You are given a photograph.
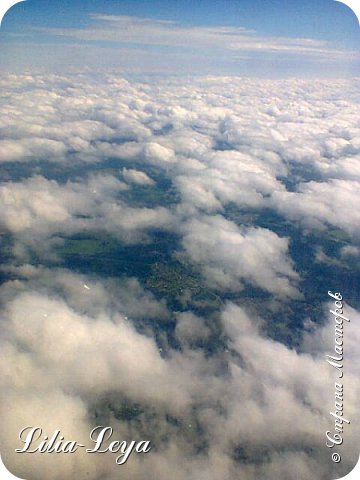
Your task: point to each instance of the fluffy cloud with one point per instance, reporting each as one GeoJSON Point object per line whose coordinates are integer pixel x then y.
{"type": "Point", "coordinates": [48, 356]}
{"type": "Point", "coordinates": [229, 254]}
{"type": "Point", "coordinates": [39, 208]}
{"type": "Point", "coordinates": [190, 328]}
{"type": "Point", "coordinates": [317, 204]}
{"type": "Point", "coordinates": [230, 177]}
{"type": "Point", "coordinates": [234, 405]}
{"type": "Point", "coordinates": [135, 176]}
{"type": "Point", "coordinates": [91, 296]}
{"type": "Point", "coordinates": [64, 119]}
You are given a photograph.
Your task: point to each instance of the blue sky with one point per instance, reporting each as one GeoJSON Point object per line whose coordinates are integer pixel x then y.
{"type": "Point", "coordinates": [245, 37]}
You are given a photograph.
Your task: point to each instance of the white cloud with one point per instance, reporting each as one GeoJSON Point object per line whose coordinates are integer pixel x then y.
{"type": "Point", "coordinates": [40, 208]}
{"type": "Point", "coordinates": [135, 176]}
{"type": "Point", "coordinates": [145, 31]}
{"type": "Point", "coordinates": [229, 255]}
{"type": "Point", "coordinates": [190, 328]}
{"type": "Point", "coordinates": [350, 250]}
{"type": "Point", "coordinates": [230, 176]}
{"type": "Point", "coordinates": [316, 204]}
{"type": "Point", "coordinates": [240, 401]}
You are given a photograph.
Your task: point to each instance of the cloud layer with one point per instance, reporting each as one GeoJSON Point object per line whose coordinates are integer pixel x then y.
{"type": "Point", "coordinates": [224, 417]}
{"type": "Point", "coordinates": [231, 198]}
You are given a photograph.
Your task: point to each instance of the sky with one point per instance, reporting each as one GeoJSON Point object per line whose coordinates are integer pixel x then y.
{"type": "Point", "coordinates": [250, 38]}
